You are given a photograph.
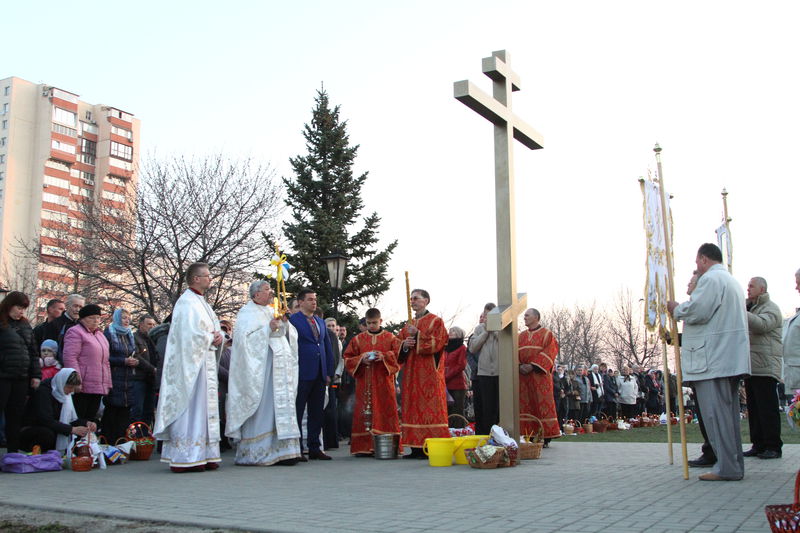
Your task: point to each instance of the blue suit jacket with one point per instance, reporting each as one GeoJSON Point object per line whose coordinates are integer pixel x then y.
{"type": "Point", "coordinates": [314, 356]}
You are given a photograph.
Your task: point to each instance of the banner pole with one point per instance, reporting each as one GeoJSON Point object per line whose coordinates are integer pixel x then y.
{"type": "Point", "coordinates": [671, 296]}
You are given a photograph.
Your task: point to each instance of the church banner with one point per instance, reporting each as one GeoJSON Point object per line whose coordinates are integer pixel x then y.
{"type": "Point", "coordinates": [724, 241]}
{"type": "Point", "coordinates": [656, 282]}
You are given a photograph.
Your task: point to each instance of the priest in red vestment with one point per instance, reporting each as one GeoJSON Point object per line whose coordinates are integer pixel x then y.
{"type": "Point", "coordinates": [371, 357]}
{"type": "Point", "coordinates": [424, 396]}
{"type": "Point", "coordinates": [538, 349]}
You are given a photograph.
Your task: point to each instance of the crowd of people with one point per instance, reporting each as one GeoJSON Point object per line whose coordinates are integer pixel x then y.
{"type": "Point", "coordinates": [283, 386]}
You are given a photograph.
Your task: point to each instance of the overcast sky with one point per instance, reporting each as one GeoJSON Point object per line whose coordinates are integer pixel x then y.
{"type": "Point", "coordinates": [715, 83]}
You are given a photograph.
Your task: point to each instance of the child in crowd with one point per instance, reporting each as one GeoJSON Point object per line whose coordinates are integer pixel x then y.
{"type": "Point", "coordinates": [48, 359]}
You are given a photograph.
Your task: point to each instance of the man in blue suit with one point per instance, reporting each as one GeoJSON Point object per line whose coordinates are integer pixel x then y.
{"type": "Point", "coordinates": [315, 361]}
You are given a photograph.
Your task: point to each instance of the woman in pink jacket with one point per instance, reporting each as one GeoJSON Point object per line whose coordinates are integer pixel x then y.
{"type": "Point", "coordinates": [86, 350]}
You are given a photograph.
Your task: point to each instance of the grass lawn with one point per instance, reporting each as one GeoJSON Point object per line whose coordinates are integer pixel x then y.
{"type": "Point", "coordinates": [659, 434]}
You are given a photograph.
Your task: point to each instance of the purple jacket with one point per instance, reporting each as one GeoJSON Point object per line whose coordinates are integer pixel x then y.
{"type": "Point", "coordinates": [88, 354]}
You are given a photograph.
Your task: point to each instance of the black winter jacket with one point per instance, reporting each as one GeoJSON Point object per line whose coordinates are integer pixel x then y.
{"type": "Point", "coordinates": [19, 358]}
{"type": "Point", "coordinates": [44, 410]}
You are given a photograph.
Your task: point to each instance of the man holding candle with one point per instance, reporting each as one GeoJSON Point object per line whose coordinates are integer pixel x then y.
{"type": "Point", "coordinates": [424, 399]}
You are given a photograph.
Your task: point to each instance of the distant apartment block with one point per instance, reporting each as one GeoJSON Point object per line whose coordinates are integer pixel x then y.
{"type": "Point", "coordinates": [56, 154]}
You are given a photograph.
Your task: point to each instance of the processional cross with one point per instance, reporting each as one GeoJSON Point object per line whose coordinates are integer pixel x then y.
{"type": "Point", "coordinates": [507, 126]}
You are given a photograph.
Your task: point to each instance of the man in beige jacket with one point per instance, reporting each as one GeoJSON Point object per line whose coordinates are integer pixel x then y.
{"type": "Point", "coordinates": [765, 323]}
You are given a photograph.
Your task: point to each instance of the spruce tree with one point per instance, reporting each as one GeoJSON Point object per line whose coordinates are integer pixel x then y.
{"type": "Point", "coordinates": [324, 197]}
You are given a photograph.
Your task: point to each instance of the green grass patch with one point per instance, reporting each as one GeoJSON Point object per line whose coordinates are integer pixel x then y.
{"type": "Point", "coordinates": [659, 434]}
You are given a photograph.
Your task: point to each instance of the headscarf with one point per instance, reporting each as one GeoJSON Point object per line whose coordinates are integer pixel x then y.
{"type": "Point", "coordinates": [119, 329]}
{"type": "Point", "coordinates": [68, 414]}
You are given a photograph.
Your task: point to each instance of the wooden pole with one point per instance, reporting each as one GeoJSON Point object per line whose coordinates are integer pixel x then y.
{"type": "Point", "coordinates": [666, 401]}
{"type": "Point", "coordinates": [408, 298]}
{"type": "Point", "coordinates": [671, 296]}
{"type": "Point", "coordinates": [729, 244]}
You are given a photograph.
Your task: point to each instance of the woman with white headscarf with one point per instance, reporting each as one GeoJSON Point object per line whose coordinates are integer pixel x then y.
{"type": "Point", "coordinates": [51, 416]}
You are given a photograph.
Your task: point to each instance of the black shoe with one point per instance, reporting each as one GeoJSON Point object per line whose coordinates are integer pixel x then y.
{"type": "Point", "coordinates": [319, 455]}
{"type": "Point", "coordinates": [752, 452]}
{"type": "Point", "coordinates": [702, 462]}
{"type": "Point", "coordinates": [769, 454]}
{"type": "Point", "coordinates": [288, 462]}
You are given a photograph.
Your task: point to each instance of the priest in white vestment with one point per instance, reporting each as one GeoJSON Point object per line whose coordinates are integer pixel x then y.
{"type": "Point", "coordinates": [262, 384]}
{"type": "Point", "coordinates": [187, 417]}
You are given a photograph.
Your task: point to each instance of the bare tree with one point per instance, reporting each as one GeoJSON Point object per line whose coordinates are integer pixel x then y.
{"type": "Point", "coordinates": [626, 339]}
{"type": "Point", "coordinates": [135, 246]}
{"type": "Point", "coordinates": [579, 332]}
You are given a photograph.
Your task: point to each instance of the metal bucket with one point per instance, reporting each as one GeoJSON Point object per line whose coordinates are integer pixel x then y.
{"type": "Point", "coordinates": [386, 445]}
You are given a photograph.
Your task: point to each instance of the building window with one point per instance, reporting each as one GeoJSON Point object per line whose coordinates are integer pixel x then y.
{"type": "Point", "coordinates": [116, 197]}
{"type": "Point", "coordinates": [7, 90]}
{"type": "Point", "coordinates": [56, 182]}
{"type": "Point", "coordinates": [63, 116]}
{"type": "Point", "coordinates": [55, 199]}
{"type": "Point", "coordinates": [80, 191]}
{"type": "Point", "coordinates": [123, 132]}
{"type": "Point", "coordinates": [5, 108]}
{"type": "Point", "coordinates": [3, 141]}
{"type": "Point", "coordinates": [122, 151]}
{"type": "Point", "coordinates": [2, 175]}
{"type": "Point", "coordinates": [87, 177]}
{"type": "Point", "coordinates": [54, 216]}
{"type": "Point", "coordinates": [88, 159]}
{"type": "Point", "coordinates": [5, 124]}
{"type": "Point", "coordinates": [88, 128]}
{"type": "Point", "coordinates": [70, 132]}
{"type": "Point", "coordinates": [64, 147]}
{"type": "Point", "coordinates": [88, 147]}
{"type": "Point", "coordinates": [58, 165]}
{"type": "Point", "coordinates": [2, 158]}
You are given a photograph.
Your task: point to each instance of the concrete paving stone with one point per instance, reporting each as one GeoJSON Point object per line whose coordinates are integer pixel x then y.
{"type": "Point", "coordinates": [520, 498]}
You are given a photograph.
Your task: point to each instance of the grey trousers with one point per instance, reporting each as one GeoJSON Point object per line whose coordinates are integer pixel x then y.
{"type": "Point", "coordinates": [719, 403]}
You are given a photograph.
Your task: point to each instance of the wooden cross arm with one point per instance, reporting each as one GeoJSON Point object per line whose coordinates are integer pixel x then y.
{"type": "Point", "coordinates": [470, 95]}
{"type": "Point", "coordinates": [502, 315]}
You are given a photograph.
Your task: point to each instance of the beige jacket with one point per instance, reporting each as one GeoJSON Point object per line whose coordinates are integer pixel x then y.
{"type": "Point", "coordinates": [487, 346]}
{"type": "Point", "coordinates": [765, 323]}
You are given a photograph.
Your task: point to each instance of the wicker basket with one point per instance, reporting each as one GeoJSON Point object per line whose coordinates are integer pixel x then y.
{"type": "Point", "coordinates": [81, 463]}
{"type": "Point", "coordinates": [458, 417]}
{"type": "Point", "coordinates": [587, 427]}
{"type": "Point", "coordinates": [601, 425]}
{"type": "Point", "coordinates": [569, 426]}
{"type": "Point", "coordinates": [140, 434]}
{"type": "Point", "coordinates": [785, 518]}
{"type": "Point", "coordinates": [495, 461]}
{"type": "Point", "coordinates": [533, 448]}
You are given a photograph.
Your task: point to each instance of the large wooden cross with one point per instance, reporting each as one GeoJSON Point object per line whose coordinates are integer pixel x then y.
{"type": "Point", "coordinates": [507, 126]}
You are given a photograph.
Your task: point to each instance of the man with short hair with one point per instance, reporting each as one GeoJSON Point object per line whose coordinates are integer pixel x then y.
{"type": "Point", "coordinates": [372, 358]}
{"type": "Point", "coordinates": [330, 415]}
{"type": "Point", "coordinates": [765, 322]}
{"type": "Point", "coordinates": [187, 418]}
{"type": "Point", "coordinates": [315, 356]}
{"type": "Point", "coordinates": [538, 349]}
{"type": "Point", "coordinates": [486, 395]}
{"type": "Point", "coordinates": [424, 396]}
{"type": "Point", "coordinates": [262, 384]}
{"type": "Point", "coordinates": [596, 387]}
{"type": "Point", "coordinates": [715, 355]}
{"type": "Point", "coordinates": [55, 308]}
{"type": "Point", "coordinates": [57, 328]}
{"type": "Point", "coordinates": [144, 380]}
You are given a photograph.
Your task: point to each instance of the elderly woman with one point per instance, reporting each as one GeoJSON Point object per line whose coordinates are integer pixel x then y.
{"type": "Point", "coordinates": [791, 348]}
{"type": "Point", "coordinates": [19, 363]}
{"type": "Point", "coordinates": [51, 417]}
{"type": "Point", "coordinates": [122, 350]}
{"type": "Point", "coordinates": [455, 361]}
{"type": "Point", "coordinates": [86, 350]}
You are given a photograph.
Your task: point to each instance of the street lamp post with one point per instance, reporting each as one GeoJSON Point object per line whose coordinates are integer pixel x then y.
{"type": "Point", "coordinates": [336, 263]}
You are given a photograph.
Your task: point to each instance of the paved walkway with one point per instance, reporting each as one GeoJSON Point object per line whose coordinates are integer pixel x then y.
{"type": "Point", "coordinates": [575, 487]}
